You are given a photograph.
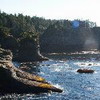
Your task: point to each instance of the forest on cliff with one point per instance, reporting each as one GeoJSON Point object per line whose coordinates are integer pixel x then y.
{"type": "Point", "coordinates": [46, 34]}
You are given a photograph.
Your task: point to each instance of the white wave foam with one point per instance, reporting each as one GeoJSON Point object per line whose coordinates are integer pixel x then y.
{"type": "Point", "coordinates": [58, 86]}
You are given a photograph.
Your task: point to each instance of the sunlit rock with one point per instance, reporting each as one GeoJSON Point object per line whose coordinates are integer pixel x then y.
{"type": "Point", "coordinates": [14, 80]}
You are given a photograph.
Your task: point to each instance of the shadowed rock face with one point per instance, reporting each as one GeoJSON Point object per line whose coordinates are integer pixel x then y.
{"type": "Point", "coordinates": [23, 51]}
{"type": "Point", "coordinates": [29, 51]}
{"type": "Point", "coordinates": [14, 80]}
{"type": "Point", "coordinates": [10, 42]}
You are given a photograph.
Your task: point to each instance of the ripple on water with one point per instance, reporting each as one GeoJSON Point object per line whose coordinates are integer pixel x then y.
{"type": "Point", "coordinates": [63, 74]}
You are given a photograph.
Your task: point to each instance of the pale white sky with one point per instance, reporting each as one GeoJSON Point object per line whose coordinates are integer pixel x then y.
{"type": "Point", "coordinates": [55, 9]}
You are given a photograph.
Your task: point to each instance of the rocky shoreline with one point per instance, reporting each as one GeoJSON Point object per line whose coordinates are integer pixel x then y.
{"type": "Point", "coordinates": [14, 80]}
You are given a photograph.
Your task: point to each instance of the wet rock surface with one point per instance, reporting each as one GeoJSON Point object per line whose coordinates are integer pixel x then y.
{"type": "Point", "coordinates": [85, 70]}
{"type": "Point", "coordinates": [14, 80]}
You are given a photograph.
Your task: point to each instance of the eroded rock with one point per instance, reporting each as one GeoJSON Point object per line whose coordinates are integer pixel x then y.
{"type": "Point", "coordinates": [14, 80]}
{"type": "Point", "coordinates": [29, 51]}
{"type": "Point", "coordinates": [85, 70]}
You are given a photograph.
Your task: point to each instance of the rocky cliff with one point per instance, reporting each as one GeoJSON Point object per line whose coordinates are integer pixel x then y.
{"type": "Point", "coordinates": [29, 50]}
{"type": "Point", "coordinates": [14, 80]}
{"type": "Point", "coordinates": [23, 50]}
{"type": "Point", "coordinates": [70, 40]}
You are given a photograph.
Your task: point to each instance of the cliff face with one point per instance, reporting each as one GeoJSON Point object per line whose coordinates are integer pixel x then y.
{"type": "Point", "coordinates": [69, 40]}
{"type": "Point", "coordinates": [29, 51]}
{"type": "Point", "coordinates": [23, 50]}
{"type": "Point", "coordinates": [14, 80]}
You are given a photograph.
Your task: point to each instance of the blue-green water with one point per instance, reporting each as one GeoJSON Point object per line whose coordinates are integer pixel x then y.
{"type": "Point", "coordinates": [61, 71]}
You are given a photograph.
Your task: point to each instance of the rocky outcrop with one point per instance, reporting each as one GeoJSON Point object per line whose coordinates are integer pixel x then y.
{"type": "Point", "coordinates": [14, 80]}
{"type": "Point", "coordinates": [85, 70]}
{"type": "Point", "coordinates": [23, 50]}
{"type": "Point", "coordinates": [29, 51]}
{"type": "Point", "coordinates": [9, 42]}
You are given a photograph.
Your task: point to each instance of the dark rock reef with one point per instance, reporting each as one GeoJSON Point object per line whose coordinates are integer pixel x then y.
{"type": "Point", "coordinates": [14, 80]}
{"type": "Point", "coordinates": [85, 70]}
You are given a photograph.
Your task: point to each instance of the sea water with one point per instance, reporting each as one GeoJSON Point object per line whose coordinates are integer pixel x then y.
{"type": "Point", "coordinates": [61, 71]}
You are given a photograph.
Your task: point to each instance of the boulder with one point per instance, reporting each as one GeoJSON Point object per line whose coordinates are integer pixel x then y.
{"type": "Point", "coordinates": [85, 70]}
{"type": "Point", "coordinates": [14, 80]}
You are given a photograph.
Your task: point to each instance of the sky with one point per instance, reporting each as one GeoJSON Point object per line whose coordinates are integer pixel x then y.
{"type": "Point", "coordinates": [55, 9]}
